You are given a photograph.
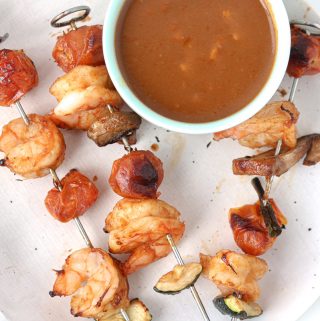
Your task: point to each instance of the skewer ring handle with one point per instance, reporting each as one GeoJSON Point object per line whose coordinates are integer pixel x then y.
{"type": "Point", "coordinates": [55, 21]}
{"type": "Point", "coordinates": [313, 28]}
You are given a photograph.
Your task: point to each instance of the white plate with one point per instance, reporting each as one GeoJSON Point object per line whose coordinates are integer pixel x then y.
{"type": "Point", "coordinates": [198, 181]}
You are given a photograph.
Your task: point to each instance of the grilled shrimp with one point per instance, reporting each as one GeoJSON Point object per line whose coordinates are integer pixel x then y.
{"type": "Point", "coordinates": [81, 120]}
{"type": "Point", "coordinates": [127, 210]}
{"type": "Point", "coordinates": [86, 99]}
{"type": "Point", "coordinates": [141, 231]}
{"type": "Point", "coordinates": [80, 77]}
{"type": "Point", "coordinates": [275, 121]}
{"type": "Point", "coordinates": [147, 253]}
{"type": "Point", "coordinates": [139, 227]}
{"type": "Point", "coordinates": [95, 282]}
{"type": "Point", "coordinates": [32, 150]}
{"type": "Point", "coordinates": [83, 95]}
{"type": "Point", "coordinates": [235, 273]}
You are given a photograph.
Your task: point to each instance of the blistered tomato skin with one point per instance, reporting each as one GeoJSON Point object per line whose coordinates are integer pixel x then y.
{"type": "Point", "coordinates": [18, 76]}
{"type": "Point", "coordinates": [137, 175]}
{"type": "Point", "coordinates": [77, 196]}
{"type": "Point", "coordinates": [79, 47]}
{"type": "Point", "coordinates": [249, 230]}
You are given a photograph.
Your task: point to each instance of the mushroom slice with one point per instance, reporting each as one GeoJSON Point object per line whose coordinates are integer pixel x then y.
{"type": "Point", "coordinates": [313, 155]}
{"type": "Point", "coordinates": [267, 164]}
{"type": "Point", "coordinates": [110, 129]}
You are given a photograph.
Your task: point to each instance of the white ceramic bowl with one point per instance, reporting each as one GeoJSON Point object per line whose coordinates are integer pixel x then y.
{"type": "Point", "coordinates": [281, 61]}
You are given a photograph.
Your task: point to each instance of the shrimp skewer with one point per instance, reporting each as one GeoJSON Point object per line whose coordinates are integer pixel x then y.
{"type": "Point", "coordinates": [32, 147]}
{"type": "Point", "coordinates": [279, 145]}
{"type": "Point", "coordinates": [236, 276]}
{"type": "Point", "coordinates": [29, 123]}
{"type": "Point", "coordinates": [139, 227]}
{"type": "Point", "coordinates": [291, 99]}
{"type": "Point", "coordinates": [34, 135]}
{"type": "Point", "coordinates": [77, 302]}
{"type": "Point", "coordinates": [152, 249]}
{"type": "Point", "coordinates": [83, 95]}
{"type": "Point", "coordinates": [105, 290]}
{"type": "Point", "coordinates": [193, 289]}
{"type": "Point", "coordinates": [88, 56]}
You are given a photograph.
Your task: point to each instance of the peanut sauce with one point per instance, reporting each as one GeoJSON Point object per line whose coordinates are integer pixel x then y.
{"type": "Point", "coordinates": [196, 60]}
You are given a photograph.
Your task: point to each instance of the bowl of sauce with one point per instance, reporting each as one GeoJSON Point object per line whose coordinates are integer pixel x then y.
{"type": "Point", "coordinates": [196, 66]}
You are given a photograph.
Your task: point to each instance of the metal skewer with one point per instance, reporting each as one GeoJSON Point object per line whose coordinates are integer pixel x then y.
{"type": "Point", "coordinates": [311, 28]}
{"type": "Point", "coordinates": [306, 26]}
{"type": "Point", "coordinates": [192, 288]}
{"type": "Point", "coordinates": [22, 113]}
{"type": "Point", "coordinates": [58, 185]}
{"type": "Point", "coordinates": [124, 314]}
{"type": "Point", "coordinates": [72, 22]}
{"type": "Point", "coordinates": [279, 145]}
{"type": "Point", "coordinates": [174, 248]}
{"type": "Point", "coordinates": [56, 180]}
{"type": "Point", "coordinates": [170, 239]}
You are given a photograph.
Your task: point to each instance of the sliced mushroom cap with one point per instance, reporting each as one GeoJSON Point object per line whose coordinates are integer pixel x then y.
{"type": "Point", "coordinates": [110, 129]}
{"type": "Point", "coordinates": [266, 164]}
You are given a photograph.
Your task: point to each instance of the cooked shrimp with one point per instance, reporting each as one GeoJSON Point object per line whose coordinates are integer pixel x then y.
{"type": "Point", "coordinates": [128, 210]}
{"type": "Point", "coordinates": [147, 253]}
{"type": "Point", "coordinates": [80, 108]}
{"type": "Point", "coordinates": [77, 195]}
{"type": "Point", "coordinates": [141, 231]}
{"type": "Point", "coordinates": [235, 273]}
{"type": "Point", "coordinates": [95, 282]}
{"type": "Point", "coordinates": [86, 99]}
{"type": "Point", "coordinates": [81, 120]}
{"type": "Point", "coordinates": [32, 150]}
{"type": "Point", "coordinates": [139, 227]}
{"type": "Point", "coordinates": [81, 77]}
{"type": "Point", "coordinates": [83, 95]}
{"type": "Point", "coordinates": [275, 121]}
